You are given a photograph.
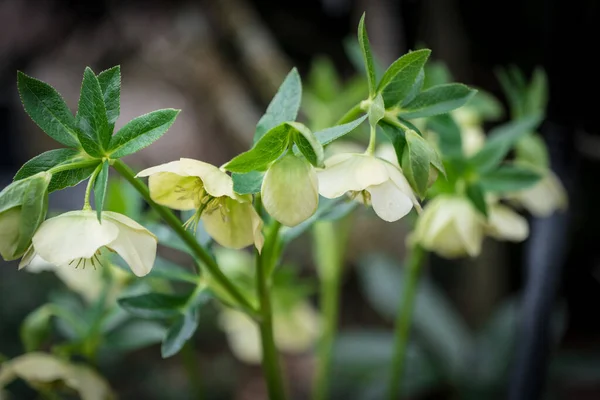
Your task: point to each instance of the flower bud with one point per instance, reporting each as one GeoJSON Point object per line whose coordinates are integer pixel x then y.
{"type": "Point", "coordinates": [23, 206]}
{"type": "Point", "coordinates": [290, 192]}
{"type": "Point", "coordinates": [451, 227]}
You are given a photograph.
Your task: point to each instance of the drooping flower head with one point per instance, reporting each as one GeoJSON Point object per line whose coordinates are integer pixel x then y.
{"type": "Point", "coordinates": [76, 239]}
{"type": "Point", "coordinates": [188, 184]}
{"type": "Point", "coordinates": [370, 180]}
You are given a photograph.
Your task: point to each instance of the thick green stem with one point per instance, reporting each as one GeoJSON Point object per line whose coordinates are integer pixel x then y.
{"type": "Point", "coordinates": [192, 368]}
{"type": "Point", "coordinates": [329, 265]}
{"type": "Point", "coordinates": [404, 319]}
{"type": "Point", "coordinates": [190, 240]}
{"type": "Point", "coordinates": [90, 186]}
{"type": "Point", "coordinates": [372, 141]}
{"type": "Point", "coordinates": [270, 360]}
{"type": "Point", "coordinates": [351, 115]}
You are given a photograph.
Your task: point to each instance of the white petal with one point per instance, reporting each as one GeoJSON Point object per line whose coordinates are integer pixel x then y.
{"type": "Point", "coordinates": [399, 179]}
{"type": "Point", "coordinates": [135, 244]}
{"type": "Point", "coordinates": [216, 182]}
{"type": "Point", "coordinates": [242, 334]}
{"type": "Point", "coordinates": [73, 235]}
{"type": "Point", "coordinates": [437, 214]}
{"type": "Point", "coordinates": [544, 198]}
{"type": "Point", "coordinates": [387, 152]}
{"type": "Point", "coordinates": [469, 225]}
{"type": "Point", "coordinates": [350, 172]}
{"type": "Point", "coordinates": [235, 225]}
{"type": "Point", "coordinates": [174, 167]}
{"type": "Point", "coordinates": [389, 202]}
{"type": "Point", "coordinates": [289, 190]}
{"type": "Point", "coordinates": [506, 224]}
{"type": "Point", "coordinates": [175, 191]}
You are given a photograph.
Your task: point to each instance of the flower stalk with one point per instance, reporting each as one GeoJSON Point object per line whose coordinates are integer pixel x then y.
{"type": "Point", "coordinates": [404, 319]}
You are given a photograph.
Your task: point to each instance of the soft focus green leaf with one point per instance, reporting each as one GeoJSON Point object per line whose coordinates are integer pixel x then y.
{"type": "Point", "coordinates": [510, 178]}
{"type": "Point", "coordinates": [94, 131]}
{"type": "Point", "coordinates": [135, 335]}
{"type": "Point", "coordinates": [284, 106]}
{"type": "Point", "coordinates": [365, 47]}
{"type": "Point", "coordinates": [141, 132]}
{"type": "Point", "coordinates": [100, 189]}
{"type": "Point", "coordinates": [487, 107]}
{"type": "Point", "coordinates": [501, 140]}
{"type": "Point", "coordinates": [33, 210]}
{"type": "Point", "coordinates": [399, 79]}
{"type": "Point", "coordinates": [48, 110]}
{"type": "Point", "coordinates": [166, 269]}
{"type": "Point", "coordinates": [416, 161]}
{"type": "Point", "coordinates": [448, 135]}
{"type": "Point", "coordinates": [437, 100]}
{"type": "Point", "coordinates": [265, 151]}
{"type": "Point", "coordinates": [122, 198]}
{"type": "Point", "coordinates": [396, 135]}
{"type": "Point", "coordinates": [437, 325]}
{"type": "Point", "coordinates": [328, 135]}
{"type": "Point", "coordinates": [110, 84]}
{"type": "Point", "coordinates": [180, 332]}
{"type": "Point", "coordinates": [436, 73]}
{"type": "Point", "coordinates": [476, 195]}
{"type": "Point", "coordinates": [323, 79]}
{"type": "Point", "coordinates": [36, 328]}
{"type": "Point", "coordinates": [532, 149]}
{"type": "Point", "coordinates": [154, 305]}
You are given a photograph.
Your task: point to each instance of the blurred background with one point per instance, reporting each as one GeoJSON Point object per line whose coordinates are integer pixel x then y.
{"type": "Point", "coordinates": [523, 316]}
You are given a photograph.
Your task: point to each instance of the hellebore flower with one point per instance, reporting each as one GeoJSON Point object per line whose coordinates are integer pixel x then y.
{"type": "Point", "coordinates": [370, 180]}
{"type": "Point", "coordinates": [290, 191]}
{"type": "Point", "coordinates": [76, 238]}
{"type": "Point", "coordinates": [189, 184]}
{"type": "Point", "coordinates": [451, 227]}
{"type": "Point", "coordinates": [505, 224]}
{"type": "Point", "coordinates": [544, 198]}
{"type": "Point", "coordinates": [23, 206]}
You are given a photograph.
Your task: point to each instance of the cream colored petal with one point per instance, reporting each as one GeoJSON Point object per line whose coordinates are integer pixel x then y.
{"type": "Point", "coordinates": [257, 225]}
{"type": "Point", "coordinates": [216, 182]}
{"type": "Point", "coordinates": [233, 224]}
{"type": "Point", "coordinates": [33, 263]}
{"type": "Point", "coordinates": [175, 191]}
{"type": "Point", "coordinates": [242, 335]}
{"type": "Point", "coordinates": [469, 225]}
{"type": "Point", "coordinates": [447, 243]}
{"type": "Point", "coordinates": [506, 224]}
{"type": "Point", "coordinates": [9, 232]}
{"type": "Point", "coordinates": [399, 179]}
{"type": "Point", "coordinates": [436, 216]}
{"type": "Point", "coordinates": [387, 152]}
{"type": "Point", "coordinates": [290, 191]}
{"type": "Point", "coordinates": [389, 202]}
{"type": "Point", "coordinates": [296, 330]}
{"type": "Point", "coordinates": [544, 198]}
{"type": "Point", "coordinates": [352, 172]}
{"type": "Point", "coordinates": [134, 243]}
{"type": "Point", "coordinates": [173, 167]}
{"type": "Point", "coordinates": [473, 139]}
{"type": "Point", "coordinates": [73, 235]}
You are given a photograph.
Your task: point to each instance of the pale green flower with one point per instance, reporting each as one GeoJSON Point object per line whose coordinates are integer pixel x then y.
{"type": "Point", "coordinates": [451, 227]}
{"type": "Point", "coordinates": [505, 224]}
{"type": "Point", "coordinates": [370, 180]}
{"type": "Point", "coordinates": [544, 198]}
{"type": "Point", "coordinates": [76, 239]}
{"type": "Point", "coordinates": [44, 370]}
{"type": "Point", "coordinates": [290, 191]}
{"type": "Point", "coordinates": [188, 184]}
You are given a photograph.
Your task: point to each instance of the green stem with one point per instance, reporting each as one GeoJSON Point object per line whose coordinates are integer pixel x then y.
{"type": "Point", "coordinates": [404, 319]}
{"type": "Point", "coordinates": [372, 141]}
{"type": "Point", "coordinates": [192, 368]}
{"type": "Point", "coordinates": [351, 115]}
{"type": "Point", "coordinates": [88, 189]}
{"type": "Point", "coordinates": [190, 240]}
{"type": "Point", "coordinates": [270, 360]}
{"type": "Point", "coordinates": [329, 265]}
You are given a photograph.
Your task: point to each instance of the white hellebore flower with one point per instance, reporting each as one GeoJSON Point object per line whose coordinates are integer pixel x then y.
{"type": "Point", "coordinates": [505, 224]}
{"type": "Point", "coordinates": [370, 180]}
{"type": "Point", "coordinates": [544, 198]}
{"type": "Point", "coordinates": [229, 218]}
{"type": "Point", "coordinates": [76, 238]}
{"type": "Point", "coordinates": [290, 192]}
{"type": "Point", "coordinates": [451, 227]}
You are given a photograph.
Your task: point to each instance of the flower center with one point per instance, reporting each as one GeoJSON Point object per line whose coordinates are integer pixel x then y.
{"type": "Point", "coordinates": [208, 204]}
{"type": "Point", "coordinates": [84, 262]}
{"type": "Point", "coordinates": [362, 196]}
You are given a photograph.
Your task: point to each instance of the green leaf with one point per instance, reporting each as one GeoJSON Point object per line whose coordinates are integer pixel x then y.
{"type": "Point", "coordinates": [154, 305]}
{"type": "Point", "coordinates": [122, 198]}
{"type": "Point", "coordinates": [537, 93]}
{"type": "Point", "coordinates": [33, 210]}
{"type": "Point", "coordinates": [396, 135]}
{"type": "Point", "coordinates": [166, 269]}
{"type": "Point", "coordinates": [436, 73]}
{"type": "Point", "coordinates": [487, 107]}
{"type": "Point", "coordinates": [73, 177]}
{"type": "Point", "coordinates": [476, 195]}
{"type": "Point", "coordinates": [135, 335]}
{"type": "Point", "coordinates": [307, 143]}
{"type": "Point", "coordinates": [141, 132]}
{"type": "Point", "coordinates": [94, 133]}
{"type": "Point", "coordinates": [416, 161]}
{"type": "Point", "coordinates": [284, 106]}
{"type": "Point", "coordinates": [500, 140]}
{"type": "Point", "coordinates": [510, 178]}
{"type": "Point", "coordinates": [416, 88]}
{"type": "Point", "coordinates": [532, 149]}
{"type": "Point", "coordinates": [265, 151]}
{"type": "Point", "coordinates": [328, 135]}
{"type": "Point", "coordinates": [363, 41]}
{"type": "Point", "coordinates": [100, 189]}
{"type": "Point", "coordinates": [36, 328]}
{"type": "Point", "coordinates": [437, 100]}
{"type": "Point", "coordinates": [448, 135]}
{"type": "Point", "coordinates": [399, 79]}
{"type": "Point", "coordinates": [248, 183]}
{"type": "Point", "coordinates": [110, 84]}
{"type": "Point", "coordinates": [180, 332]}
{"type": "Point", "coordinates": [376, 110]}
{"type": "Point", "coordinates": [48, 110]}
